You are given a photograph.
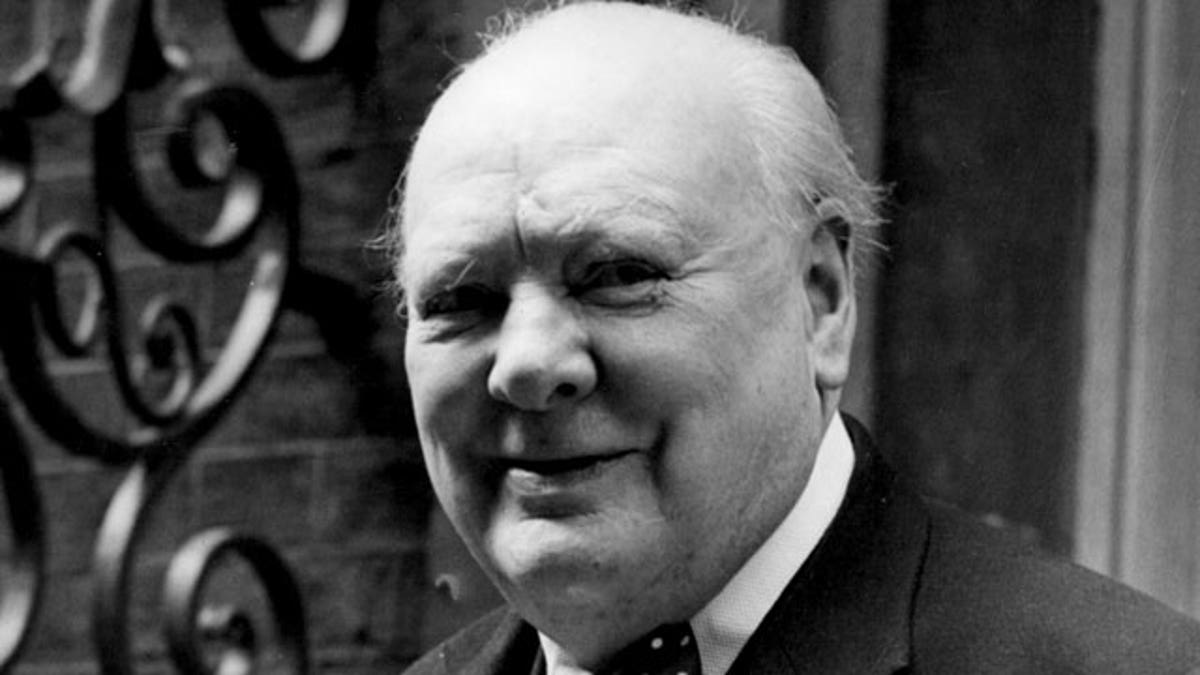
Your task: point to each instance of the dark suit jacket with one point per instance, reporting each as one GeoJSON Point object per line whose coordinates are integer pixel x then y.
{"type": "Point", "coordinates": [900, 586]}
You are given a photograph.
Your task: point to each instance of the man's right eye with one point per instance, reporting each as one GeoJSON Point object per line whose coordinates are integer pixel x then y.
{"type": "Point", "coordinates": [459, 300]}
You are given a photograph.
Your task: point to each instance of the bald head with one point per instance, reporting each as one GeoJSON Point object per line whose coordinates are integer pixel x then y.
{"type": "Point", "coordinates": [585, 77]}
{"type": "Point", "coordinates": [591, 69]}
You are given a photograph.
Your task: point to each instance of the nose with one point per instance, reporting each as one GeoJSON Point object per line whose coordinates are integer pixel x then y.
{"type": "Point", "coordinates": [542, 355]}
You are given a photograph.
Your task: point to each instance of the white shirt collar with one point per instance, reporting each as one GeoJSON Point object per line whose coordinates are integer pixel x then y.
{"type": "Point", "coordinates": [726, 623]}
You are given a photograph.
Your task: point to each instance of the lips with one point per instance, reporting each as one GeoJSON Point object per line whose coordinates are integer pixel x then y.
{"type": "Point", "coordinates": [553, 467]}
{"type": "Point", "coordinates": [542, 475]}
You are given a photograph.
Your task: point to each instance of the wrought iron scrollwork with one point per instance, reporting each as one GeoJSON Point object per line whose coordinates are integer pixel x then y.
{"type": "Point", "coordinates": [187, 627]}
{"type": "Point", "coordinates": [333, 28]}
{"type": "Point", "coordinates": [172, 391]}
{"type": "Point", "coordinates": [23, 583]}
{"type": "Point", "coordinates": [16, 162]}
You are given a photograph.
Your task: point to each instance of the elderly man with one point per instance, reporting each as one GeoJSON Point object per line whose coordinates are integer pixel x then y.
{"type": "Point", "coordinates": [625, 244]}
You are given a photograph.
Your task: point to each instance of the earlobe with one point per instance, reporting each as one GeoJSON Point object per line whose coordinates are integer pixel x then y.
{"type": "Point", "coordinates": [830, 292]}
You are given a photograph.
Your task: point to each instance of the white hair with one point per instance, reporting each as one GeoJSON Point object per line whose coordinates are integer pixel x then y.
{"type": "Point", "coordinates": [806, 172]}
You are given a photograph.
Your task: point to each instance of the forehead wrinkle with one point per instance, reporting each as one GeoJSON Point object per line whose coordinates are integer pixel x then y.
{"type": "Point", "coordinates": [636, 189]}
{"type": "Point", "coordinates": [605, 218]}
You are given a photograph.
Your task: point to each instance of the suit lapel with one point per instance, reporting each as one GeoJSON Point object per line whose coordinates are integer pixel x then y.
{"type": "Point", "coordinates": [848, 609]}
{"type": "Point", "coordinates": [500, 644]}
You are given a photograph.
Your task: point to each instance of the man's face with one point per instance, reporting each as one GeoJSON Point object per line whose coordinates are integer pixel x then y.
{"type": "Point", "coordinates": [607, 347]}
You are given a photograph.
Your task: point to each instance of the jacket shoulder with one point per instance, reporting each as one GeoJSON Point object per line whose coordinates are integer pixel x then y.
{"type": "Point", "coordinates": [988, 603]}
{"type": "Point", "coordinates": [498, 642]}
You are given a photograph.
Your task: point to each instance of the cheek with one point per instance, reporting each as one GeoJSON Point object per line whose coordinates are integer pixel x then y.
{"type": "Point", "coordinates": [450, 407]}
{"type": "Point", "coordinates": [728, 384]}
{"type": "Point", "coordinates": [693, 359]}
{"type": "Point", "coordinates": [439, 377]}
{"type": "Point", "coordinates": [448, 389]}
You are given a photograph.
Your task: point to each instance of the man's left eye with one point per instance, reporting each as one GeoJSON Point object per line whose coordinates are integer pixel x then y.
{"type": "Point", "coordinates": [620, 283]}
{"type": "Point", "coordinates": [620, 273]}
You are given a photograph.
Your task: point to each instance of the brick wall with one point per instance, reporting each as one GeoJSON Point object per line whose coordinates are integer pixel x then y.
{"type": "Point", "coordinates": [317, 456]}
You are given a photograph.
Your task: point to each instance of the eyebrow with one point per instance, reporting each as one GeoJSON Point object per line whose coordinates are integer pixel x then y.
{"type": "Point", "coordinates": [446, 273]}
{"type": "Point", "coordinates": [615, 230]}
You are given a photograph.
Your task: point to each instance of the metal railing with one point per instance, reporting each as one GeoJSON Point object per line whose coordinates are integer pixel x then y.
{"type": "Point", "coordinates": [173, 389]}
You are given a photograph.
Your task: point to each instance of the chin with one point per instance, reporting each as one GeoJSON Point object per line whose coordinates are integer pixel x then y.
{"type": "Point", "coordinates": [560, 569]}
{"type": "Point", "coordinates": [545, 551]}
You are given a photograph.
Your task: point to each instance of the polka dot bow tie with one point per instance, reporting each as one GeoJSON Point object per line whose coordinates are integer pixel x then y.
{"type": "Point", "coordinates": [668, 650]}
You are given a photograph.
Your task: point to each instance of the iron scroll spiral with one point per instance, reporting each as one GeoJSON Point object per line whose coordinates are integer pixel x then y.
{"type": "Point", "coordinates": [194, 403]}
{"type": "Point", "coordinates": [331, 32]}
{"type": "Point", "coordinates": [187, 625]}
{"type": "Point", "coordinates": [258, 219]}
{"type": "Point", "coordinates": [260, 206]}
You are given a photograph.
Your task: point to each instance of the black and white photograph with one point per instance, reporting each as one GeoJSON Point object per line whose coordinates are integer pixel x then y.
{"type": "Point", "coordinates": [599, 337]}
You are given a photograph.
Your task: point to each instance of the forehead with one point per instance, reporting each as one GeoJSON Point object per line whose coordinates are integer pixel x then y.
{"type": "Point", "coordinates": [501, 181]}
{"type": "Point", "coordinates": [670, 129]}
{"type": "Point", "coordinates": [607, 138]}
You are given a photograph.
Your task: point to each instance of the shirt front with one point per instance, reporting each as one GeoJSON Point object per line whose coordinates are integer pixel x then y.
{"type": "Point", "coordinates": [726, 623]}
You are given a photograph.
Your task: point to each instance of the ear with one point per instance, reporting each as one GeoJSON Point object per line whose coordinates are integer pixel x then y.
{"type": "Point", "coordinates": [830, 289]}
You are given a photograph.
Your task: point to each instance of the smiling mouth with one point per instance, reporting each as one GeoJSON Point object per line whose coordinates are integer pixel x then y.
{"type": "Point", "coordinates": [562, 467]}
{"type": "Point", "coordinates": [542, 478]}
{"type": "Point", "coordinates": [561, 489]}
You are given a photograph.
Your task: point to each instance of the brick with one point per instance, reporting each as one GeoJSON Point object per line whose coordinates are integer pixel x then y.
{"type": "Point", "coordinates": [351, 259]}
{"type": "Point", "coordinates": [370, 602]}
{"type": "Point", "coordinates": [146, 642]}
{"type": "Point", "coordinates": [61, 194]}
{"type": "Point", "coordinates": [319, 114]}
{"type": "Point", "coordinates": [384, 402]}
{"type": "Point", "coordinates": [270, 496]}
{"type": "Point", "coordinates": [294, 329]}
{"type": "Point", "coordinates": [15, 35]}
{"type": "Point", "coordinates": [28, 667]}
{"type": "Point", "coordinates": [74, 501]}
{"type": "Point", "coordinates": [302, 396]}
{"type": "Point", "coordinates": [371, 494]}
{"type": "Point", "coordinates": [62, 631]}
{"type": "Point", "coordinates": [87, 388]}
{"type": "Point", "coordinates": [63, 148]}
